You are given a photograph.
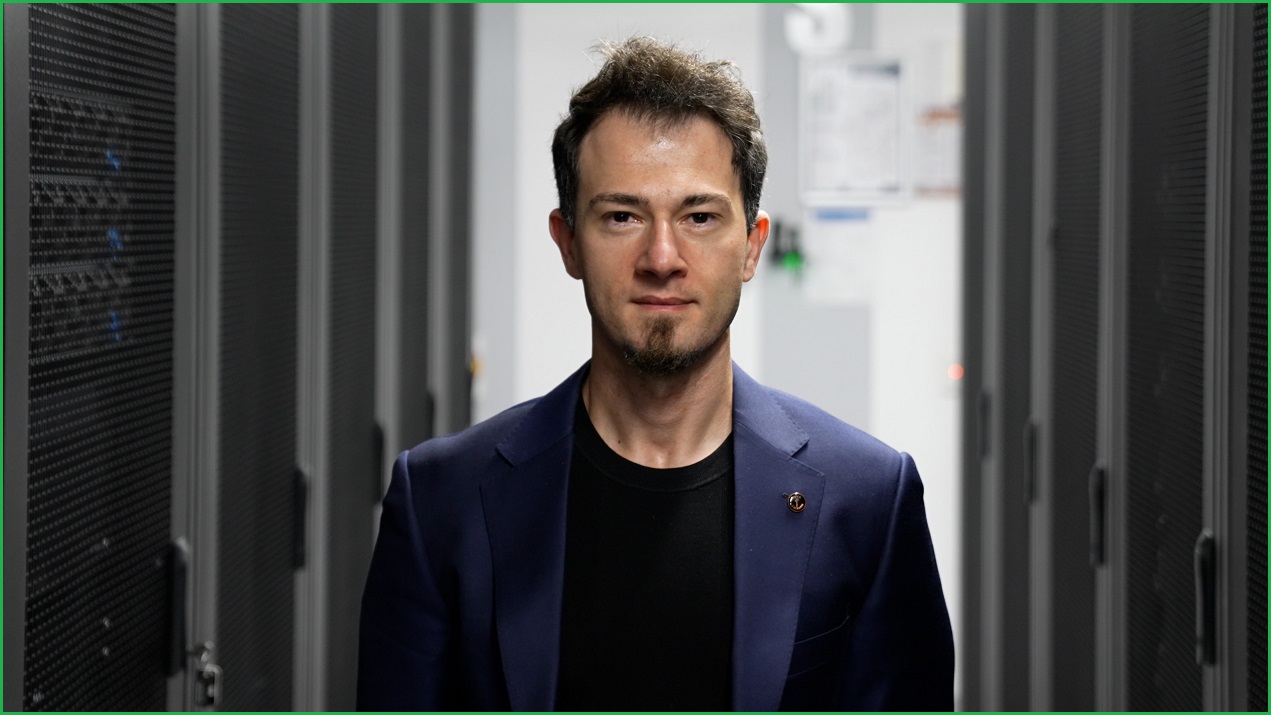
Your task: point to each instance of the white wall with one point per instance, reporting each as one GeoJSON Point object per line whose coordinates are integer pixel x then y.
{"type": "Point", "coordinates": [915, 336]}
{"type": "Point", "coordinates": [917, 300]}
{"type": "Point", "coordinates": [494, 214]}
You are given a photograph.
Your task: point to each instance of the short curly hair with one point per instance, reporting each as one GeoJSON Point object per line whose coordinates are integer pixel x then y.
{"type": "Point", "coordinates": [654, 81]}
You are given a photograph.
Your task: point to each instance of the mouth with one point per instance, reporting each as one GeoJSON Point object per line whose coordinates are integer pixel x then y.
{"type": "Point", "coordinates": [662, 303]}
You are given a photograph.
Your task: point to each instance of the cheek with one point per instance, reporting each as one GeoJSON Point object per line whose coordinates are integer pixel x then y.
{"type": "Point", "coordinates": [601, 282]}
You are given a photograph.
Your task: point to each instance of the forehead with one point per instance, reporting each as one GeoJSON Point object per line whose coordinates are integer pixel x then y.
{"type": "Point", "coordinates": [622, 147]}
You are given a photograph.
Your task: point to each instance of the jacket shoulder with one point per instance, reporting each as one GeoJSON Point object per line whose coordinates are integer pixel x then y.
{"type": "Point", "coordinates": [836, 447]}
{"type": "Point", "coordinates": [820, 424]}
{"type": "Point", "coordinates": [472, 447]}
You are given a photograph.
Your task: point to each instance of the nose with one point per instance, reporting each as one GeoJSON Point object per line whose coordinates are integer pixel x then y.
{"type": "Point", "coordinates": [661, 256]}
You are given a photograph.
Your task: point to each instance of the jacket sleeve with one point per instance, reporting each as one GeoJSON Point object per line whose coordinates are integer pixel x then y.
{"type": "Point", "coordinates": [900, 648]}
{"type": "Point", "coordinates": [406, 634]}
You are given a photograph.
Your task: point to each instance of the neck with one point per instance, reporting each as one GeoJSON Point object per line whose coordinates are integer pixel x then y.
{"type": "Point", "coordinates": [661, 421]}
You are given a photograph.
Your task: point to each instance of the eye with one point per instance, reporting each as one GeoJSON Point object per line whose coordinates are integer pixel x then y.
{"type": "Point", "coordinates": [620, 217]}
{"type": "Point", "coordinates": [700, 218]}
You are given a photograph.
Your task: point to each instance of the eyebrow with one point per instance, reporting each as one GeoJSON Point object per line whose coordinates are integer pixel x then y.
{"type": "Point", "coordinates": [703, 199]}
{"type": "Point", "coordinates": [633, 200]}
{"type": "Point", "coordinates": [617, 198]}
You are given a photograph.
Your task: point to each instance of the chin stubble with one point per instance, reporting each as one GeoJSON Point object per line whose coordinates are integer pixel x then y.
{"type": "Point", "coordinates": [659, 356]}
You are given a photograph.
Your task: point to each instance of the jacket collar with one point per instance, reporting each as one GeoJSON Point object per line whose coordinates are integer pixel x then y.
{"type": "Point", "coordinates": [552, 418]}
{"type": "Point", "coordinates": [525, 519]}
{"type": "Point", "coordinates": [547, 422]}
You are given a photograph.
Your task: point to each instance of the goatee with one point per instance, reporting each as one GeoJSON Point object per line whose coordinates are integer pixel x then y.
{"type": "Point", "coordinates": [658, 356]}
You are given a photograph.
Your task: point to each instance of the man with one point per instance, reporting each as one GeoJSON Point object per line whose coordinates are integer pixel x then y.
{"type": "Point", "coordinates": [659, 532]}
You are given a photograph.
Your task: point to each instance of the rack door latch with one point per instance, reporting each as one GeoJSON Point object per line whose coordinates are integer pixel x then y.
{"type": "Point", "coordinates": [207, 675]}
{"type": "Point", "coordinates": [1204, 561]}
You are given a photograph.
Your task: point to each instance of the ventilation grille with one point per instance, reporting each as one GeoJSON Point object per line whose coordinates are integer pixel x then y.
{"type": "Point", "coordinates": [101, 301]}
{"type": "Point", "coordinates": [257, 445]}
{"type": "Point", "coordinates": [351, 442]}
{"type": "Point", "coordinates": [1257, 541]}
{"type": "Point", "coordinates": [1016, 336]}
{"type": "Point", "coordinates": [1075, 355]}
{"type": "Point", "coordinates": [1170, 46]}
{"type": "Point", "coordinates": [415, 421]}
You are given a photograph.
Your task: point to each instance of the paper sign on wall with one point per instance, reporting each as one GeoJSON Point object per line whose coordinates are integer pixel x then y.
{"type": "Point", "coordinates": [853, 131]}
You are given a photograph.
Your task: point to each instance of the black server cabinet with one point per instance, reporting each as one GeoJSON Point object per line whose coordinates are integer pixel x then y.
{"type": "Point", "coordinates": [1149, 342]}
{"type": "Point", "coordinates": [256, 366]}
{"type": "Point", "coordinates": [170, 172]}
{"type": "Point", "coordinates": [1009, 445]}
{"type": "Point", "coordinates": [1256, 494]}
{"type": "Point", "coordinates": [1000, 225]}
{"type": "Point", "coordinates": [351, 443]}
{"type": "Point", "coordinates": [415, 408]}
{"type": "Point", "coordinates": [1074, 305]}
{"type": "Point", "coordinates": [1166, 351]}
{"type": "Point", "coordinates": [99, 354]}
{"type": "Point", "coordinates": [1150, 220]}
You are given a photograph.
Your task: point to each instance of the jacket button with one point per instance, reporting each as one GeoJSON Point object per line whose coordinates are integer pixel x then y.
{"type": "Point", "coordinates": [796, 502]}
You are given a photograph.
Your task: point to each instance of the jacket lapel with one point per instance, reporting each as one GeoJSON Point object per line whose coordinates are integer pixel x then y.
{"type": "Point", "coordinates": [771, 543]}
{"type": "Point", "coordinates": [525, 507]}
{"type": "Point", "coordinates": [525, 519]}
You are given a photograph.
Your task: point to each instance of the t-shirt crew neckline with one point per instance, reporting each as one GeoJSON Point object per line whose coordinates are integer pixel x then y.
{"type": "Point", "coordinates": [637, 476]}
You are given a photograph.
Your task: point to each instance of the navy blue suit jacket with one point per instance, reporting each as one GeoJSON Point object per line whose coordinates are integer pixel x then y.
{"type": "Point", "coordinates": [836, 607]}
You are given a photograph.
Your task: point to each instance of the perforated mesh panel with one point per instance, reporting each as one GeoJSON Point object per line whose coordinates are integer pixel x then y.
{"type": "Point", "coordinates": [1075, 355]}
{"type": "Point", "coordinates": [1017, 258]}
{"type": "Point", "coordinates": [259, 214]}
{"type": "Point", "coordinates": [101, 300]}
{"type": "Point", "coordinates": [1257, 541]}
{"type": "Point", "coordinates": [461, 19]}
{"type": "Point", "coordinates": [352, 457]}
{"type": "Point", "coordinates": [1169, 65]}
{"type": "Point", "coordinates": [415, 423]}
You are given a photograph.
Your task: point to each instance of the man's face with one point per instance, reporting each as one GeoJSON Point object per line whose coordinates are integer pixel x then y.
{"type": "Point", "coordinates": [660, 240]}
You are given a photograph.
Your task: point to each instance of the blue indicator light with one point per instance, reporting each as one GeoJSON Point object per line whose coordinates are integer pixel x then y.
{"type": "Point", "coordinates": [113, 161]}
{"type": "Point", "coordinates": [115, 325]}
{"type": "Point", "coordinates": [116, 242]}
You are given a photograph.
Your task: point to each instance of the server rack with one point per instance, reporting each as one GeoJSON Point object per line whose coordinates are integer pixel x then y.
{"type": "Point", "coordinates": [17, 195]}
{"type": "Point", "coordinates": [1255, 370]}
{"type": "Point", "coordinates": [92, 321]}
{"type": "Point", "coordinates": [1003, 403]}
{"type": "Point", "coordinates": [1148, 359]}
{"type": "Point", "coordinates": [192, 231]}
{"type": "Point", "coordinates": [258, 216]}
{"type": "Point", "coordinates": [1065, 321]}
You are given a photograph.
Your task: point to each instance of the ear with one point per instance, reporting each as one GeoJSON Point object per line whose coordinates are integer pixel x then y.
{"type": "Point", "coordinates": [563, 234]}
{"type": "Point", "coordinates": [755, 240]}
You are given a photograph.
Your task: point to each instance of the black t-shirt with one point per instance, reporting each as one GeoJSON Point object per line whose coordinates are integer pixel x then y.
{"type": "Point", "coordinates": [647, 622]}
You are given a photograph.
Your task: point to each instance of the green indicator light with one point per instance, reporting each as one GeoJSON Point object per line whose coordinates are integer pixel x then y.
{"type": "Point", "coordinates": [792, 261]}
